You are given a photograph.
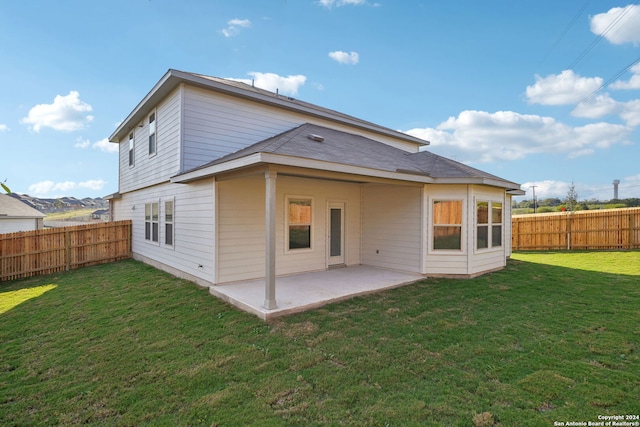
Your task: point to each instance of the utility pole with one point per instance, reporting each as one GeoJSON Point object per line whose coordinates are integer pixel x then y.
{"type": "Point", "coordinates": [534, 198]}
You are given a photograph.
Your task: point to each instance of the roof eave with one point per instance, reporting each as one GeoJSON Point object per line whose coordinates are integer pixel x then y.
{"type": "Point", "coordinates": [173, 78]}
{"type": "Point", "coordinates": [161, 89]}
{"type": "Point", "coordinates": [511, 187]}
{"type": "Point", "coordinates": [277, 159]}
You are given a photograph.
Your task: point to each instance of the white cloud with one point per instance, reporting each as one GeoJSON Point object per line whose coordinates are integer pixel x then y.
{"type": "Point", "coordinates": [546, 189]}
{"type": "Point", "coordinates": [597, 106]}
{"type": "Point", "coordinates": [331, 3]}
{"type": "Point", "coordinates": [102, 145]}
{"type": "Point", "coordinates": [603, 105]}
{"type": "Point", "coordinates": [82, 143]}
{"type": "Point", "coordinates": [273, 82]}
{"type": "Point", "coordinates": [562, 89]}
{"type": "Point", "coordinates": [601, 191]}
{"type": "Point", "coordinates": [234, 27]}
{"type": "Point", "coordinates": [632, 83]}
{"type": "Point", "coordinates": [66, 113]}
{"type": "Point", "coordinates": [3, 128]}
{"type": "Point", "coordinates": [631, 112]}
{"type": "Point", "coordinates": [345, 57]}
{"type": "Point", "coordinates": [57, 189]}
{"type": "Point", "coordinates": [619, 25]}
{"type": "Point", "coordinates": [106, 146]}
{"type": "Point", "coordinates": [478, 136]}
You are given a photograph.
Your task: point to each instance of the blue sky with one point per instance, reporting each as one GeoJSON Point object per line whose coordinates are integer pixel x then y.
{"type": "Point", "coordinates": [542, 93]}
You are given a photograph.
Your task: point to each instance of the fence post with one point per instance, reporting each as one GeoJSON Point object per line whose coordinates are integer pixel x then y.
{"type": "Point", "coordinates": [568, 231]}
{"type": "Point", "coordinates": [632, 244]}
{"type": "Point", "coordinates": [67, 244]}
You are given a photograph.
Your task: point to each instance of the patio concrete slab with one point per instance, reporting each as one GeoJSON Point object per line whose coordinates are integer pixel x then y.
{"type": "Point", "coordinates": [302, 292]}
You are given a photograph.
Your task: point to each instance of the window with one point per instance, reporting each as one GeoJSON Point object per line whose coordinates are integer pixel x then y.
{"type": "Point", "coordinates": [489, 225]}
{"type": "Point", "coordinates": [299, 223]}
{"type": "Point", "coordinates": [131, 149]}
{"type": "Point", "coordinates": [447, 225]}
{"type": "Point", "coordinates": [482, 233]}
{"type": "Point", "coordinates": [496, 224]}
{"type": "Point", "coordinates": [168, 223]}
{"type": "Point", "coordinates": [152, 134]}
{"type": "Point", "coordinates": [151, 221]}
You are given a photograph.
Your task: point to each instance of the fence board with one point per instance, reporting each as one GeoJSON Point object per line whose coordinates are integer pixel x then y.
{"type": "Point", "coordinates": [31, 253]}
{"type": "Point", "coordinates": [583, 230]}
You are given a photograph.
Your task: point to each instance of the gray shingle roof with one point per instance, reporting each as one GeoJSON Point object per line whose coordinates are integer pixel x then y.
{"type": "Point", "coordinates": [14, 208]}
{"type": "Point", "coordinates": [355, 150]}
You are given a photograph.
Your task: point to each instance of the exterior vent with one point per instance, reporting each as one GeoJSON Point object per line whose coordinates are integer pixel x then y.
{"type": "Point", "coordinates": [314, 137]}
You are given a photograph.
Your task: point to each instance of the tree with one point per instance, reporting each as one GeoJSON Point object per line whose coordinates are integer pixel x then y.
{"type": "Point", "coordinates": [572, 198]}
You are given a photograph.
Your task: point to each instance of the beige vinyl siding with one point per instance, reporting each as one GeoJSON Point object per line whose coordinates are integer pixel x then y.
{"type": "Point", "coordinates": [491, 258]}
{"type": "Point", "coordinates": [447, 262]}
{"type": "Point", "coordinates": [216, 124]}
{"type": "Point", "coordinates": [508, 230]}
{"type": "Point", "coordinates": [150, 170]}
{"type": "Point", "coordinates": [468, 261]}
{"type": "Point", "coordinates": [241, 228]}
{"type": "Point", "coordinates": [391, 227]}
{"type": "Point", "coordinates": [13, 225]}
{"type": "Point", "coordinates": [321, 192]}
{"type": "Point", "coordinates": [193, 248]}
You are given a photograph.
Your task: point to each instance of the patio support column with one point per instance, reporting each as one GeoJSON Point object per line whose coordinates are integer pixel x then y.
{"type": "Point", "coordinates": [270, 240]}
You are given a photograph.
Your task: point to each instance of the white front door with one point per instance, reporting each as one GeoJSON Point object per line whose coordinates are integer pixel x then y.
{"type": "Point", "coordinates": [335, 227]}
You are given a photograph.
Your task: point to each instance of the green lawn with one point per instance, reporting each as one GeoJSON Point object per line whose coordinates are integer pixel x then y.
{"type": "Point", "coordinates": [555, 337]}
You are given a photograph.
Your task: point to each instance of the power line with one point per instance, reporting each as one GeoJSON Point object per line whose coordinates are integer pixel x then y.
{"type": "Point", "coordinates": [566, 30]}
{"type": "Point", "coordinates": [611, 80]}
{"type": "Point", "coordinates": [599, 37]}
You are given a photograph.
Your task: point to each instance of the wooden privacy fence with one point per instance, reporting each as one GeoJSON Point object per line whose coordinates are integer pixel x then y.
{"type": "Point", "coordinates": [32, 253]}
{"type": "Point", "coordinates": [601, 229]}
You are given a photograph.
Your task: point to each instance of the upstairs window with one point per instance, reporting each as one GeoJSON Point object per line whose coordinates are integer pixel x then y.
{"type": "Point", "coordinates": [151, 216]}
{"type": "Point", "coordinates": [447, 225]}
{"type": "Point", "coordinates": [168, 223]}
{"type": "Point", "coordinates": [152, 134]}
{"type": "Point", "coordinates": [298, 223]}
{"type": "Point", "coordinates": [131, 149]}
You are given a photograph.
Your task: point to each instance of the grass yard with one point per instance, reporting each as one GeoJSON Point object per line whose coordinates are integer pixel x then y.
{"type": "Point", "coordinates": [555, 337]}
{"type": "Point", "coordinates": [71, 214]}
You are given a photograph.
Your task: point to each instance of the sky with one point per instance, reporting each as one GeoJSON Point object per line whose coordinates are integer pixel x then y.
{"type": "Point", "coordinates": [542, 93]}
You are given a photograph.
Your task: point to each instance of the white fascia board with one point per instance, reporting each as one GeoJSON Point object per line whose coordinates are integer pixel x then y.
{"type": "Point", "coordinates": [212, 170]}
{"type": "Point", "coordinates": [275, 159]}
{"type": "Point", "coordinates": [510, 186]}
{"type": "Point", "coordinates": [159, 90]}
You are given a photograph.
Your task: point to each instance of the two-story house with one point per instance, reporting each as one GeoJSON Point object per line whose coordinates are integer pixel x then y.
{"type": "Point", "coordinates": [226, 182]}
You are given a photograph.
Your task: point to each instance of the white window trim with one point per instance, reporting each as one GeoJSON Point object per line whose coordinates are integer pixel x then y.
{"type": "Point", "coordinates": [432, 225]}
{"type": "Point", "coordinates": [131, 153]}
{"type": "Point", "coordinates": [489, 225]}
{"type": "Point", "coordinates": [286, 225]}
{"type": "Point", "coordinates": [151, 222]}
{"type": "Point", "coordinates": [173, 223]}
{"type": "Point", "coordinates": [154, 113]}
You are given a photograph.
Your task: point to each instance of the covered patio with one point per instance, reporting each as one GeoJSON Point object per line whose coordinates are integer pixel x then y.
{"type": "Point", "coordinates": [300, 292]}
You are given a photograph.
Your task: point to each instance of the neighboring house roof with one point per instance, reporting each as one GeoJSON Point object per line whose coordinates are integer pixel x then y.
{"type": "Point", "coordinates": [173, 78]}
{"type": "Point", "coordinates": [14, 208]}
{"type": "Point", "coordinates": [319, 147]}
